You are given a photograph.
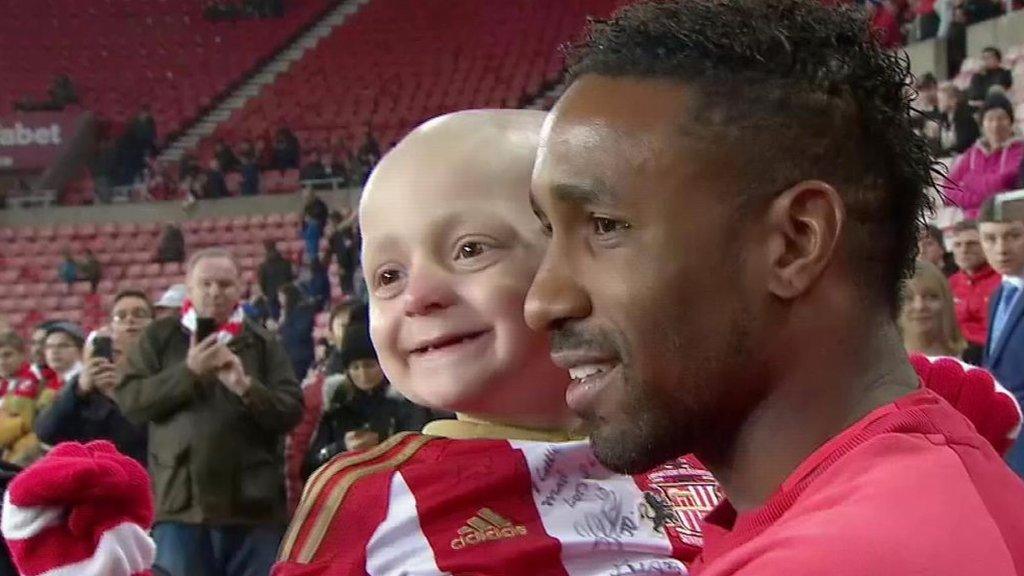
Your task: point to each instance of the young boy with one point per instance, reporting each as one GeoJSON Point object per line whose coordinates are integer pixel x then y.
{"type": "Point", "coordinates": [450, 248]}
{"type": "Point", "coordinates": [19, 390]}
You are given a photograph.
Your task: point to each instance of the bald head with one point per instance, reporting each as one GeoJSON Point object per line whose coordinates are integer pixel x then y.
{"type": "Point", "coordinates": [472, 158]}
{"type": "Point", "coordinates": [470, 151]}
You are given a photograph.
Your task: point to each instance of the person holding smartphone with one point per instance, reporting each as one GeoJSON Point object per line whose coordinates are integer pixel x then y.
{"type": "Point", "coordinates": [84, 409]}
{"type": "Point", "coordinates": [218, 395]}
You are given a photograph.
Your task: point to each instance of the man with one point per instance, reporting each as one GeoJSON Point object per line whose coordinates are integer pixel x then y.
{"type": "Point", "coordinates": [992, 74]}
{"type": "Point", "coordinates": [931, 247]}
{"type": "Point", "coordinates": [972, 286]}
{"type": "Point", "coordinates": [217, 412]}
{"type": "Point", "coordinates": [84, 409]}
{"type": "Point", "coordinates": [732, 191]}
{"type": "Point", "coordinates": [1002, 239]}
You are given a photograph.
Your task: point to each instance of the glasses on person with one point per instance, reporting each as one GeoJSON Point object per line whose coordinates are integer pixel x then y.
{"type": "Point", "coordinates": [133, 313]}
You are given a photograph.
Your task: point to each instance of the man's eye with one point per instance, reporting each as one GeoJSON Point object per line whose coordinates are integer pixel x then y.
{"type": "Point", "coordinates": [468, 250]}
{"type": "Point", "coordinates": [603, 225]}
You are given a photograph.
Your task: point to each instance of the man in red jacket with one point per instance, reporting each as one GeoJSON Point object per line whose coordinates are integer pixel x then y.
{"type": "Point", "coordinates": [972, 286]}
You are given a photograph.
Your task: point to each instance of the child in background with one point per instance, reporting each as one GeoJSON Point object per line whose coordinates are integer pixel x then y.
{"type": "Point", "coordinates": [19, 389]}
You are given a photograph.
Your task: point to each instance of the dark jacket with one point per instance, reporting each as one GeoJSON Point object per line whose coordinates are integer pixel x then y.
{"type": "Point", "coordinates": [74, 418]}
{"type": "Point", "coordinates": [964, 127]}
{"type": "Point", "coordinates": [296, 332]}
{"type": "Point", "coordinates": [172, 246]}
{"type": "Point", "coordinates": [274, 272]}
{"type": "Point", "coordinates": [214, 458]}
{"type": "Point", "coordinates": [982, 81]}
{"type": "Point", "coordinates": [381, 410]}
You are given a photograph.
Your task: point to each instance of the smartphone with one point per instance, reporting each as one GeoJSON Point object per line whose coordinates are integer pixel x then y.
{"type": "Point", "coordinates": [205, 327]}
{"type": "Point", "coordinates": [103, 347]}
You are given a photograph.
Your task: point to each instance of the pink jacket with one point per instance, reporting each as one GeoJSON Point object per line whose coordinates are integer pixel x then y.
{"type": "Point", "coordinates": [979, 174]}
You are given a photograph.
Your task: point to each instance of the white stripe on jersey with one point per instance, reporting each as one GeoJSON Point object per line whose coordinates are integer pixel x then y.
{"type": "Point", "coordinates": [393, 557]}
{"type": "Point", "coordinates": [594, 513]}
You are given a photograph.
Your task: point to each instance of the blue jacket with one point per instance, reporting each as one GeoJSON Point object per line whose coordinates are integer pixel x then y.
{"type": "Point", "coordinates": [1005, 359]}
{"type": "Point", "coordinates": [296, 333]}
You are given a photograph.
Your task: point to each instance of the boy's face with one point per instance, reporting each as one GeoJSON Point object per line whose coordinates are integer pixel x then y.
{"type": "Point", "coordinates": [61, 352]}
{"type": "Point", "coordinates": [10, 360]}
{"type": "Point", "coordinates": [449, 252]}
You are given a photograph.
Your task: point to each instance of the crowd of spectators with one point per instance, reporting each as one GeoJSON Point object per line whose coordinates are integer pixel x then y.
{"type": "Point", "coordinates": [976, 129]}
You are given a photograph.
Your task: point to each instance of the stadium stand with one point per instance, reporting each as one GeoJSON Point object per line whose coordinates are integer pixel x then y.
{"type": "Point", "coordinates": [121, 54]}
{"type": "Point", "coordinates": [397, 63]}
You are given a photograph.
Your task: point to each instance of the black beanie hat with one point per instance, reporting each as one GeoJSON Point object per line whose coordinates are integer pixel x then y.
{"type": "Point", "coordinates": [997, 102]}
{"type": "Point", "coordinates": [356, 344]}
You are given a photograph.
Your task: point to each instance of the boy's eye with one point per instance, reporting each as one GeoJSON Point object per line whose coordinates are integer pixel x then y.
{"type": "Point", "coordinates": [387, 277]}
{"type": "Point", "coordinates": [603, 225]}
{"type": "Point", "coordinates": [470, 249]}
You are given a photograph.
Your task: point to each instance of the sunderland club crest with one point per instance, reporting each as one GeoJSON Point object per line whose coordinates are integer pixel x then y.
{"type": "Point", "coordinates": [678, 497]}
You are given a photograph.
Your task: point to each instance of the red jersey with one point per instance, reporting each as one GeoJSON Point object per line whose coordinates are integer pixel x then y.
{"type": "Point", "coordinates": [909, 489]}
{"type": "Point", "coordinates": [428, 505]}
{"type": "Point", "coordinates": [970, 296]}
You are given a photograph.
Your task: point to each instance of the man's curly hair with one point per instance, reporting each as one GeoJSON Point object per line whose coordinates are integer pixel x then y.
{"type": "Point", "coordinates": [802, 91]}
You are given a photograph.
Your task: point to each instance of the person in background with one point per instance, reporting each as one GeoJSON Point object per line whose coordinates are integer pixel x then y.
{"type": "Point", "coordinates": [295, 327]}
{"type": "Point", "coordinates": [927, 318]}
{"type": "Point", "coordinates": [363, 411]}
{"type": "Point", "coordinates": [317, 286]}
{"type": "Point", "coordinates": [314, 222]}
{"type": "Point", "coordinates": [19, 390]}
{"type": "Point", "coordinates": [972, 287]}
{"type": "Point", "coordinates": [256, 307]}
{"type": "Point", "coordinates": [172, 245]}
{"type": "Point", "coordinates": [90, 270]}
{"type": "Point", "coordinates": [217, 412]}
{"type": "Point", "coordinates": [225, 157]}
{"type": "Point", "coordinates": [64, 343]}
{"type": "Point", "coordinates": [343, 243]}
{"type": "Point", "coordinates": [250, 175]}
{"type": "Point", "coordinates": [216, 185]}
{"type": "Point", "coordinates": [37, 352]}
{"type": "Point", "coordinates": [170, 302]}
{"type": "Point", "coordinates": [274, 272]}
{"type": "Point", "coordinates": [1002, 239]}
{"type": "Point", "coordinates": [926, 103]}
{"type": "Point", "coordinates": [991, 74]}
{"type": "Point", "coordinates": [931, 247]}
{"type": "Point", "coordinates": [957, 129]}
{"type": "Point", "coordinates": [84, 410]}
{"type": "Point", "coordinates": [990, 166]}
{"type": "Point", "coordinates": [68, 269]}
{"type": "Point", "coordinates": [286, 151]}
{"type": "Point", "coordinates": [317, 389]}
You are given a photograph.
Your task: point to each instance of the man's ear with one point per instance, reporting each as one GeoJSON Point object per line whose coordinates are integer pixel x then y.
{"type": "Point", "coordinates": [804, 224]}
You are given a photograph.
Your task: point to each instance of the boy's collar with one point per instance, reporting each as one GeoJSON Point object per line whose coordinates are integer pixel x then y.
{"type": "Point", "coordinates": [466, 428]}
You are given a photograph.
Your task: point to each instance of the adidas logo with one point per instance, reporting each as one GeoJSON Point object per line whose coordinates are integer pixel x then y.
{"type": "Point", "coordinates": [484, 526]}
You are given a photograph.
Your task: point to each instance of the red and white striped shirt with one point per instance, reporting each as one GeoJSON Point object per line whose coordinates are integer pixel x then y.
{"type": "Point", "coordinates": [426, 505]}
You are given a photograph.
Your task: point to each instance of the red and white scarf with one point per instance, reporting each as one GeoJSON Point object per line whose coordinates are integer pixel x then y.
{"type": "Point", "coordinates": [228, 330]}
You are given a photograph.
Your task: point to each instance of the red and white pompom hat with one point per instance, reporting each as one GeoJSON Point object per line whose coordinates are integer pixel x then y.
{"type": "Point", "coordinates": [976, 394]}
{"type": "Point", "coordinates": [83, 510]}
